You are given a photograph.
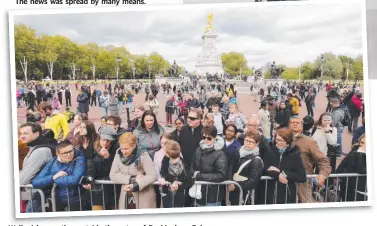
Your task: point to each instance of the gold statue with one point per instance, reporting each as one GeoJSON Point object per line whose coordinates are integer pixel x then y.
{"type": "Point", "coordinates": [209, 25]}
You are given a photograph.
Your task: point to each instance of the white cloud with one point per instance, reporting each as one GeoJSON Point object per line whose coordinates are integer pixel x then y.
{"type": "Point", "coordinates": [287, 34]}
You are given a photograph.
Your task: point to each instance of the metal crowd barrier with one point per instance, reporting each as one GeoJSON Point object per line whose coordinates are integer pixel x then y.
{"type": "Point", "coordinates": [29, 194]}
{"type": "Point", "coordinates": [129, 201]}
{"type": "Point", "coordinates": [335, 190]}
{"type": "Point", "coordinates": [106, 194]}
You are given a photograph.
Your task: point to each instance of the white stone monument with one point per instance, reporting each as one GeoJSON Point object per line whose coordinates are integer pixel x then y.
{"type": "Point", "coordinates": [210, 60]}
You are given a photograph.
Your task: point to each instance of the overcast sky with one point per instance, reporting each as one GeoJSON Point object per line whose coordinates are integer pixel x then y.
{"type": "Point", "coordinates": [289, 35]}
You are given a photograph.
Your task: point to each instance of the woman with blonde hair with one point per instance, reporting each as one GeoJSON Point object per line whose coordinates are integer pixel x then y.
{"type": "Point", "coordinates": [235, 116]}
{"type": "Point", "coordinates": [134, 168]}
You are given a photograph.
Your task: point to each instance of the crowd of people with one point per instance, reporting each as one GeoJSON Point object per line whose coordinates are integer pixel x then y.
{"type": "Point", "coordinates": [212, 142]}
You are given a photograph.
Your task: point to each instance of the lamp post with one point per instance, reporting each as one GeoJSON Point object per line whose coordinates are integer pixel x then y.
{"type": "Point", "coordinates": [149, 68]}
{"type": "Point", "coordinates": [118, 61]}
{"type": "Point", "coordinates": [299, 73]}
{"type": "Point", "coordinates": [24, 68]}
{"type": "Point", "coordinates": [322, 65]}
{"type": "Point", "coordinates": [348, 68]}
{"type": "Point", "coordinates": [132, 68]}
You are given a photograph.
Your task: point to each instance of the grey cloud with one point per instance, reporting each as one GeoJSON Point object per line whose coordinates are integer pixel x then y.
{"type": "Point", "coordinates": [176, 34]}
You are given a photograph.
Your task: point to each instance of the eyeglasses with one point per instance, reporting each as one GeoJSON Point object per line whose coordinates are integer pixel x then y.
{"type": "Point", "coordinates": [206, 138]}
{"type": "Point", "coordinates": [280, 141]}
{"type": "Point", "coordinates": [67, 153]}
{"type": "Point", "coordinates": [250, 141]}
{"type": "Point", "coordinates": [192, 118]}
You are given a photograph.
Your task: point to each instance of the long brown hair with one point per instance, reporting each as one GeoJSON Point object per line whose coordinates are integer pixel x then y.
{"type": "Point", "coordinates": [91, 135]}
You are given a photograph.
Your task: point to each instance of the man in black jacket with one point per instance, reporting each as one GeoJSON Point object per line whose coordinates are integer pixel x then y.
{"type": "Point", "coordinates": [191, 135]}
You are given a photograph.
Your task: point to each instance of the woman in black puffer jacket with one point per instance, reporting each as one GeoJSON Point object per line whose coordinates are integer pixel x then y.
{"type": "Point", "coordinates": [249, 166]}
{"type": "Point", "coordinates": [285, 166]}
{"type": "Point", "coordinates": [210, 164]}
{"type": "Point", "coordinates": [354, 162]}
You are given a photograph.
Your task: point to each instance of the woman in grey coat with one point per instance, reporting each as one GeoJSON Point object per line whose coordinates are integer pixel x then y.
{"type": "Point", "coordinates": [148, 135]}
{"type": "Point", "coordinates": [113, 105]}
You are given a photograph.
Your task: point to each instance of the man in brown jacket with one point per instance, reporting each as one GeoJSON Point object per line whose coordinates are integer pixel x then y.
{"type": "Point", "coordinates": [311, 157]}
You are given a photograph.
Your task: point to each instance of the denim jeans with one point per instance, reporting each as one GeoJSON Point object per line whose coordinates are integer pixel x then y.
{"type": "Point", "coordinates": [105, 110]}
{"type": "Point", "coordinates": [34, 205]}
{"type": "Point", "coordinates": [339, 140]}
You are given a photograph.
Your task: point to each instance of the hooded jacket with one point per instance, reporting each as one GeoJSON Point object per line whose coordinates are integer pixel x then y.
{"type": "Point", "coordinates": [211, 163]}
{"type": "Point", "coordinates": [75, 170]}
{"type": "Point", "coordinates": [35, 160]}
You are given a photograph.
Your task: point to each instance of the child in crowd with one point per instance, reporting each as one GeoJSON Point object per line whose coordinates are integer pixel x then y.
{"type": "Point", "coordinates": [218, 119]}
{"type": "Point", "coordinates": [175, 172]}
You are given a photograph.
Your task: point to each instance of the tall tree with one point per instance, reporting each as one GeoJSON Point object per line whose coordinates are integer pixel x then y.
{"type": "Point", "coordinates": [332, 66]}
{"type": "Point", "coordinates": [234, 63]}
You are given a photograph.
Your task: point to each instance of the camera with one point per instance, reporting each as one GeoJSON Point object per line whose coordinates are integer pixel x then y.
{"type": "Point", "coordinates": [86, 180]}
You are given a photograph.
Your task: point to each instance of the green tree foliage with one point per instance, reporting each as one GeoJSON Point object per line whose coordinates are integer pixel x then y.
{"type": "Point", "coordinates": [290, 73]}
{"type": "Point", "coordinates": [357, 68]}
{"type": "Point", "coordinates": [41, 51]}
{"type": "Point", "coordinates": [332, 67]}
{"type": "Point", "coordinates": [308, 71]}
{"type": "Point", "coordinates": [235, 64]}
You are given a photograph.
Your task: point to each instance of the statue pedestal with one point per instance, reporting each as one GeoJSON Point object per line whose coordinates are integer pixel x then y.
{"type": "Point", "coordinates": [279, 81]}
{"type": "Point", "coordinates": [210, 60]}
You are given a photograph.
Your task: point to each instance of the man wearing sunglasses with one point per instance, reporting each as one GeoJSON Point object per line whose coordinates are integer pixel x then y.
{"type": "Point", "coordinates": [191, 135]}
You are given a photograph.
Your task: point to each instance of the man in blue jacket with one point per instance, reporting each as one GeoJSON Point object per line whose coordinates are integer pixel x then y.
{"type": "Point", "coordinates": [65, 170]}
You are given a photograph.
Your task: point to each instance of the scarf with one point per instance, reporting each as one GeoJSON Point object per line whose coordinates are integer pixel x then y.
{"type": "Point", "coordinates": [245, 152]}
{"type": "Point", "coordinates": [203, 145]}
{"type": "Point", "coordinates": [176, 169]}
{"type": "Point", "coordinates": [133, 158]}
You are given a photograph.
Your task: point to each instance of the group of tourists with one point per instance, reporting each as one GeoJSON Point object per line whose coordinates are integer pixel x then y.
{"type": "Point", "coordinates": [212, 142]}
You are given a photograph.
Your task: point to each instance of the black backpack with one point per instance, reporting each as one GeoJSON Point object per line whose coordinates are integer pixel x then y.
{"type": "Point", "coordinates": [347, 117]}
